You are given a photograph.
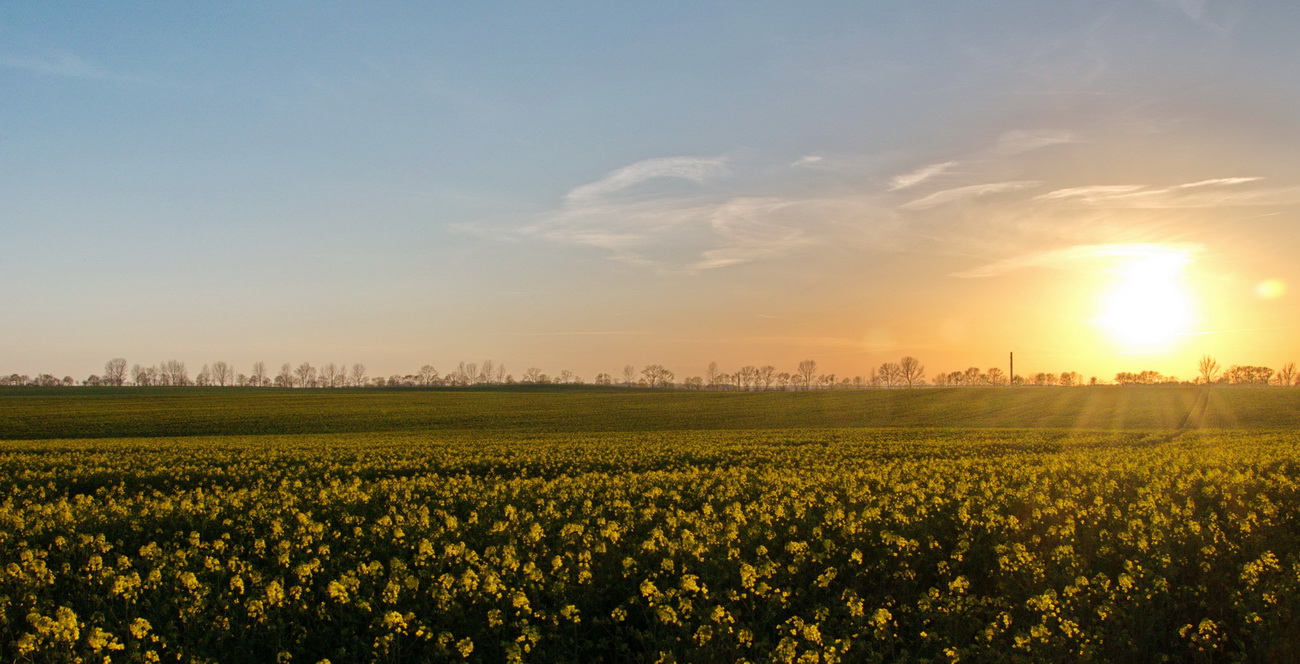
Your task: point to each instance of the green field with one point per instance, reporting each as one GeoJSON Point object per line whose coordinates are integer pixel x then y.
{"type": "Point", "coordinates": [1091, 525]}
{"type": "Point", "coordinates": [27, 413]}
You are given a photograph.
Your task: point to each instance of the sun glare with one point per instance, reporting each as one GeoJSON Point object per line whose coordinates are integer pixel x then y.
{"type": "Point", "coordinates": [1148, 306]}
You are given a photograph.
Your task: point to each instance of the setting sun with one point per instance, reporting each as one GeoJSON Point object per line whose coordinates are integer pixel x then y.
{"type": "Point", "coordinates": [1148, 306]}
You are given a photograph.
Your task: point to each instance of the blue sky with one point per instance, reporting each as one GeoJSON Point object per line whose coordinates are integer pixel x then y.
{"type": "Point", "coordinates": [586, 185]}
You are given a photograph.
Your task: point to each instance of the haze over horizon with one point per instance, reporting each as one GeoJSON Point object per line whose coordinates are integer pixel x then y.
{"type": "Point", "coordinates": [1099, 187]}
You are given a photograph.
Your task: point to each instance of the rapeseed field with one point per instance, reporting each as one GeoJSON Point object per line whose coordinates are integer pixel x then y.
{"type": "Point", "coordinates": [763, 545]}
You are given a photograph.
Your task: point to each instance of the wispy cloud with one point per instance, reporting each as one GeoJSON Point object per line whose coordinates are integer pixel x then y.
{"type": "Point", "coordinates": [1217, 192]}
{"type": "Point", "coordinates": [747, 232]}
{"type": "Point", "coordinates": [913, 178]}
{"type": "Point", "coordinates": [971, 191]}
{"type": "Point", "coordinates": [695, 169]}
{"type": "Point", "coordinates": [1196, 11]}
{"type": "Point", "coordinates": [1092, 193]}
{"type": "Point", "coordinates": [62, 64]}
{"type": "Point", "coordinates": [642, 215]}
{"type": "Point", "coordinates": [1020, 141]}
{"type": "Point", "coordinates": [1217, 182]}
{"type": "Point", "coordinates": [1087, 257]}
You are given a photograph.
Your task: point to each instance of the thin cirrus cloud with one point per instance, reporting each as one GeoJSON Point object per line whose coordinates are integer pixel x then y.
{"type": "Point", "coordinates": [62, 64]}
{"type": "Point", "coordinates": [1217, 192]}
{"type": "Point", "coordinates": [1087, 257]}
{"type": "Point", "coordinates": [674, 214]}
{"type": "Point", "coordinates": [968, 192]}
{"type": "Point", "coordinates": [1020, 141]}
{"type": "Point", "coordinates": [694, 169]}
{"type": "Point", "coordinates": [916, 177]}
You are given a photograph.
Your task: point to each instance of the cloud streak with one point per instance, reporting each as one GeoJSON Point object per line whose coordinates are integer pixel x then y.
{"type": "Point", "coordinates": [694, 169]}
{"type": "Point", "coordinates": [1218, 192]}
{"type": "Point", "coordinates": [693, 215]}
{"type": "Point", "coordinates": [1086, 257]}
{"type": "Point", "coordinates": [916, 177]}
{"type": "Point", "coordinates": [62, 64]}
{"type": "Point", "coordinates": [1020, 141]}
{"type": "Point", "coordinates": [968, 192]}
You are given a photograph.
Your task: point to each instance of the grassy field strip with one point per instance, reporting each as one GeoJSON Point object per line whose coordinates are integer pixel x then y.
{"type": "Point", "coordinates": [129, 412]}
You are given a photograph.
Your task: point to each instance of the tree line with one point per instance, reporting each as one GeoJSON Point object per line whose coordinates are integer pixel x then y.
{"type": "Point", "coordinates": [908, 372]}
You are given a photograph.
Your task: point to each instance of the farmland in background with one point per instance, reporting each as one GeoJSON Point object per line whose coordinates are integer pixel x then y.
{"type": "Point", "coordinates": [124, 412]}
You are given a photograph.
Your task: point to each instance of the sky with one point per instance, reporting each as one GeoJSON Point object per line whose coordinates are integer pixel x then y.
{"type": "Point", "coordinates": [1096, 186]}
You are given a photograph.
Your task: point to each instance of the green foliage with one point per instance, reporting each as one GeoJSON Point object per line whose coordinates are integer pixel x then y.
{"type": "Point", "coordinates": [28, 413]}
{"type": "Point", "coordinates": [816, 545]}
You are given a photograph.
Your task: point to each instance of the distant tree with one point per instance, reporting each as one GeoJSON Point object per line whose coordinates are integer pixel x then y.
{"type": "Point", "coordinates": [222, 374]}
{"type": "Point", "coordinates": [1208, 368]}
{"type": "Point", "coordinates": [204, 377]}
{"type": "Point", "coordinates": [92, 381]}
{"type": "Point", "coordinates": [532, 375]}
{"type": "Point", "coordinates": [807, 370]}
{"type": "Point", "coordinates": [911, 371]}
{"type": "Point", "coordinates": [328, 373]}
{"type": "Point", "coordinates": [890, 374]}
{"type": "Point", "coordinates": [747, 377]}
{"type": "Point", "coordinates": [655, 375]}
{"type": "Point", "coordinates": [566, 377]}
{"type": "Point", "coordinates": [358, 375]}
{"type": "Point", "coordinates": [629, 374]}
{"type": "Point", "coordinates": [174, 373]}
{"type": "Point", "coordinates": [711, 375]}
{"type": "Point", "coordinates": [766, 374]}
{"type": "Point", "coordinates": [995, 377]}
{"type": "Point", "coordinates": [427, 375]}
{"type": "Point", "coordinates": [286, 376]}
{"type": "Point", "coordinates": [258, 378]}
{"type": "Point", "coordinates": [1248, 375]}
{"type": "Point", "coordinates": [1147, 377]}
{"type": "Point", "coordinates": [114, 372]}
{"type": "Point", "coordinates": [305, 375]}
{"type": "Point", "coordinates": [465, 374]}
{"type": "Point", "coordinates": [603, 379]}
{"type": "Point", "coordinates": [1286, 376]}
{"type": "Point", "coordinates": [1069, 378]}
{"type": "Point", "coordinates": [972, 376]}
